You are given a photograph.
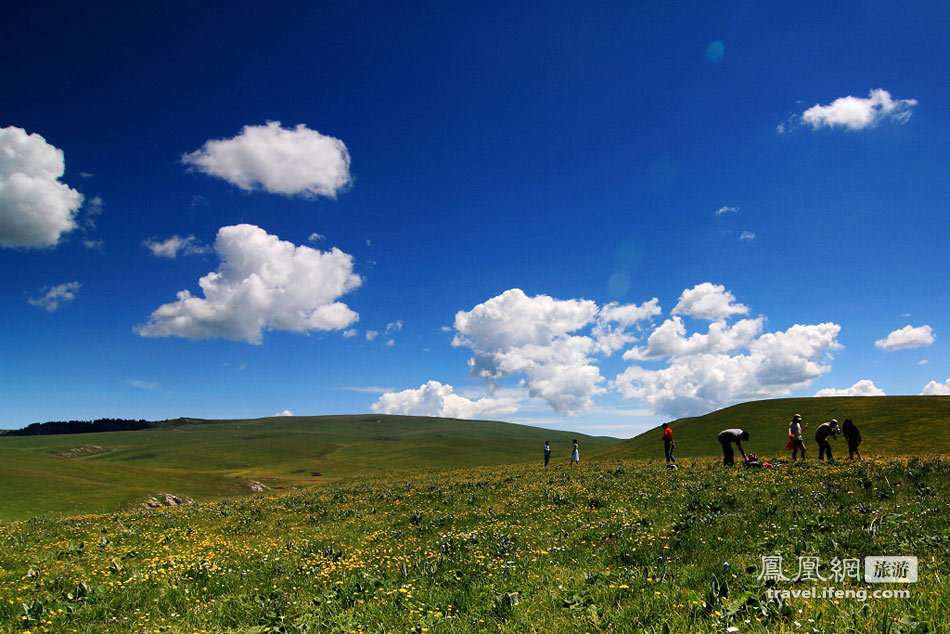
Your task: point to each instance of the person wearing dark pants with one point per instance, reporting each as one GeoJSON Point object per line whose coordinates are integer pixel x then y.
{"type": "Point", "coordinates": [668, 443]}
{"type": "Point", "coordinates": [726, 438]}
{"type": "Point", "coordinates": [853, 436]}
{"type": "Point", "coordinates": [547, 453]}
{"type": "Point", "coordinates": [822, 434]}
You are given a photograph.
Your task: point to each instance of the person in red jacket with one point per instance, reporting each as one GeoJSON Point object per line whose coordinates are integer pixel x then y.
{"type": "Point", "coordinates": [668, 443]}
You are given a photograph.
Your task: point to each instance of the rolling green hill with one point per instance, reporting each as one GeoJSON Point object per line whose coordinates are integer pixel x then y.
{"type": "Point", "coordinates": [889, 425]}
{"type": "Point", "coordinates": [76, 473]}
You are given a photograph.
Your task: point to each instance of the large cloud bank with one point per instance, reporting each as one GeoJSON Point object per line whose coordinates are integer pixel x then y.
{"type": "Point", "coordinates": [536, 338]}
{"type": "Point", "coordinates": [297, 161]}
{"type": "Point", "coordinates": [555, 349]}
{"type": "Point", "coordinates": [261, 283]}
{"type": "Point", "coordinates": [35, 208]}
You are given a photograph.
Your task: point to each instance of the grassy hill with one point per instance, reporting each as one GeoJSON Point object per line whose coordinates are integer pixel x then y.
{"type": "Point", "coordinates": [889, 425]}
{"type": "Point", "coordinates": [70, 473]}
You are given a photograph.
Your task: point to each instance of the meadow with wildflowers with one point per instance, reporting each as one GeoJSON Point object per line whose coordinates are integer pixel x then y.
{"type": "Point", "coordinates": [608, 546]}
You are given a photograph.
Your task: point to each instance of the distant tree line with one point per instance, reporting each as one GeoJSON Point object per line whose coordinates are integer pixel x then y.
{"type": "Point", "coordinates": [80, 427]}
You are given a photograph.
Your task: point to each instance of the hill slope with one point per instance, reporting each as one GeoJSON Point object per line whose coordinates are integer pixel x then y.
{"type": "Point", "coordinates": [69, 473]}
{"type": "Point", "coordinates": [889, 425]}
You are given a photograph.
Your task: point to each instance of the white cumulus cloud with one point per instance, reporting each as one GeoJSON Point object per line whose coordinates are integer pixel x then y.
{"type": "Point", "coordinates": [297, 161]}
{"type": "Point", "coordinates": [864, 387]}
{"type": "Point", "coordinates": [936, 389]}
{"type": "Point", "coordinates": [51, 298]}
{"type": "Point", "coordinates": [516, 334]}
{"type": "Point", "coordinates": [261, 283]}
{"type": "Point", "coordinates": [747, 236]}
{"type": "Point", "coordinates": [726, 210]}
{"type": "Point", "coordinates": [857, 113]}
{"type": "Point", "coordinates": [708, 301]}
{"type": "Point", "coordinates": [669, 340]}
{"type": "Point", "coordinates": [35, 208]}
{"type": "Point", "coordinates": [907, 337]}
{"type": "Point", "coordinates": [175, 245]}
{"type": "Point", "coordinates": [286, 412]}
{"type": "Point", "coordinates": [703, 375]}
{"type": "Point", "coordinates": [540, 340]}
{"type": "Point", "coordinates": [435, 399]}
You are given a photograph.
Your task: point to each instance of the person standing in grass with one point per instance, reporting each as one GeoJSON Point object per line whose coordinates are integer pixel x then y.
{"type": "Point", "coordinates": [829, 428]}
{"type": "Point", "coordinates": [668, 443]}
{"type": "Point", "coordinates": [547, 452]}
{"type": "Point", "coordinates": [575, 455]}
{"type": "Point", "coordinates": [853, 436]}
{"type": "Point", "coordinates": [726, 438]}
{"type": "Point", "coordinates": [797, 442]}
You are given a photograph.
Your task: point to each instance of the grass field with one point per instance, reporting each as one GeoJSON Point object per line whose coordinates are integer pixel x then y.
{"type": "Point", "coordinates": [889, 425]}
{"type": "Point", "coordinates": [213, 459]}
{"type": "Point", "coordinates": [609, 546]}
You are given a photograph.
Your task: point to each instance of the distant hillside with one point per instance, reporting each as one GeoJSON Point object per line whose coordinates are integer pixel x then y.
{"type": "Point", "coordinates": [889, 425]}
{"type": "Point", "coordinates": [90, 426]}
{"type": "Point", "coordinates": [68, 473]}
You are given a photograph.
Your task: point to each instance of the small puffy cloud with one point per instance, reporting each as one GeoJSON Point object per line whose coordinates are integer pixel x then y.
{"type": "Point", "coordinates": [391, 343]}
{"type": "Point", "coordinates": [371, 335]}
{"type": "Point", "coordinates": [864, 387]}
{"type": "Point", "coordinates": [708, 301]}
{"type": "Point", "coordinates": [297, 161]}
{"type": "Point", "coordinates": [435, 399]}
{"type": "Point", "coordinates": [698, 379]}
{"type": "Point", "coordinates": [936, 389]}
{"type": "Point", "coordinates": [51, 298]}
{"type": "Point", "coordinates": [747, 236]}
{"type": "Point", "coordinates": [394, 327]}
{"type": "Point", "coordinates": [907, 337]}
{"type": "Point", "coordinates": [35, 208]}
{"type": "Point", "coordinates": [726, 210]}
{"type": "Point", "coordinates": [858, 113]}
{"type": "Point", "coordinates": [316, 237]}
{"type": "Point", "coordinates": [175, 245]}
{"type": "Point", "coordinates": [349, 332]}
{"type": "Point", "coordinates": [286, 412]}
{"type": "Point", "coordinates": [261, 283]}
{"type": "Point", "coordinates": [922, 362]}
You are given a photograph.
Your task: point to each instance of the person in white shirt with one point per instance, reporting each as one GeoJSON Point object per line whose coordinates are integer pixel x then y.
{"type": "Point", "coordinates": [726, 438]}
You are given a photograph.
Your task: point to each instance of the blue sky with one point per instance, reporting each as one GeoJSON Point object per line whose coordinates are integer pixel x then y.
{"type": "Point", "coordinates": [582, 217]}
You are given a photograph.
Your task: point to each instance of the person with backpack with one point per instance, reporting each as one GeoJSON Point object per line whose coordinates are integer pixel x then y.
{"type": "Point", "coordinates": [668, 443]}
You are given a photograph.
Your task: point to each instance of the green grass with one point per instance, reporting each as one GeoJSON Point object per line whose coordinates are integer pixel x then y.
{"type": "Point", "coordinates": [211, 459]}
{"type": "Point", "coordinates": [889, 425]}
{"type": "Point", "coordinates": [609, 546]}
